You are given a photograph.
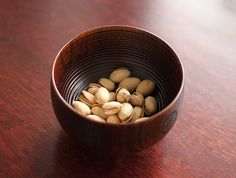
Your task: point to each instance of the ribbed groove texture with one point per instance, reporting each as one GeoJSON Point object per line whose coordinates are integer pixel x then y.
{"type": "Point", "coordinates": [95, 55]}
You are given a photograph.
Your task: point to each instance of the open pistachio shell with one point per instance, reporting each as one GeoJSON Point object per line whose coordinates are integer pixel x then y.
{"type": "Point", "coordinates": [87, 98]}
{"type": "Point", "coordinates": [125, 111]}
{"type": "Point", "coordinates": [122, 95]}
{"type": "Point", "coordinates": [102, 95]}
{"type": "Point", "coordinates": [93, 88]}
{"type": "Point", "coordinates": [111, 107]}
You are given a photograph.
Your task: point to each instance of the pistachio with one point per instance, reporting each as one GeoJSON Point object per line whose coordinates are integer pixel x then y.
{"type": "Point", "coordinates": [111, 107]}
{"type": "Point", "coordinates": [87, 98]}
{"type": "Point", "coordinates": [97, 110]}
{"type": "Point", "coordinates": [113, 119]}
{"type": "Point", "coordinates": [93, 87]}
{"type": "Point", "coordinates": [112, 96]}
{"type": "Point", "coordinates": [81, 108]}
{"type": "Point", "coordinates": [123, 95]}
{"type": "Point", "coordinates": [102, 95]}
{"type": "Point", "coordinates": [96, 118]}
{"type": "Point", "coordinates": [130, 83]}
{"type": "Point", "coordinates": [146, 87]}
{"type": "Point", "coordinates": [119, 74]}
{"type": "Point", "coordinates": [107, 83]}
{"type": "Point", "coordinates": [136, 99]}
{"type": "Point", "coordinates": [125, 111]}
{"type": "Point", "coordinates": [141, 119]}
{"type": "Point", "coordinates": [137, 113]}
{"type": "Point", "coordinates": [150, 105]}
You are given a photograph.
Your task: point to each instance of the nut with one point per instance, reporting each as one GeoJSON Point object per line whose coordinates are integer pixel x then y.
{"type": "Point", "coordinates": [146, 87]}
{"type": "Point", "coordinates": [113, 119]}
{"type": "Point", "coordinates": [102, 96]}
{"type": "Point", "coordinates": [141, 119]}
{"type": "Point", "coordinates": [93, 88]}
{"type": "Point", "coordinates": [107, 83]}
{"type": "Point", "coordinates": [123, 95]}
{"type": "Point", "coordinates": [112, 96]}
{"type": "Point", "coordinates": [136, 99]}
{"type": "Point", "coordinates": [87, 98]}
{"type": "Point", "coordinates": [97, 110]}
{"type": "Point", "coordinates": [125, 111]}
{"type": "Point", "coordinates": [119, 74]}
{"type": "Point", "coordinates": [96, 118]}
{"type": "Point", "coordinates": [130, 83]}
{"type": "Point", "coordinates": [137, 113]}
{"type": "Point", "coordinates": [81, 108]}
{"type": "Point", "coordinates": [111, 107]}
{"type": "Point", "coordinates": [150, 105]}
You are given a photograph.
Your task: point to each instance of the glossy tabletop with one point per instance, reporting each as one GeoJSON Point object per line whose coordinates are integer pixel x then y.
{"type": "Point", "coordinates": [202, 143]}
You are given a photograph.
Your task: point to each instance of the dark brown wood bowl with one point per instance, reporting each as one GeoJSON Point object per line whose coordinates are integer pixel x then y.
{"type": "Point", "coordinates": [94, 54]}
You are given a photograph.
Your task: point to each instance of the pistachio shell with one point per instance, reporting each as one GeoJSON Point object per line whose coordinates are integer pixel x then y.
{"type": "Point", "coordinates": [150, 105]}
{"type": "Point", "coordinates": [111, 107]}
{"type": "Point", "coordinates": [113, 119]}
{"type": "Point", "coordinates": [112, 96]}
{"type": "Point", "coordinates": [97, 110]}
{"type": "Point", "coordinates": [119, 74]}
{"type": "Point", "coordinates": [87, 98]}
{"type": "Point", "coordinates": [107, 83]}
{"type": "Point", "coordinates": [125, 111]}
{"type": "Point", "coordinates": [137, 113]}
{"type": "Point", "coordinates": [136, 99]}
{"type": "Point", "coordinates": [130, 83]}
{"type": "Point", "coordinates": [122, 95]}
{"type": "Point", "coordinates": [146, 87]}
{"type": "Point", "coordinates": [93, 87]}
{"type": "Point", "coordinates": [141, 119]}
{"type": "Point", "coordinates": [81, 108]}
{"type": "Point", "coordinates": [102, 96]}
{"type": "Point", "coordinates": [96, 118]}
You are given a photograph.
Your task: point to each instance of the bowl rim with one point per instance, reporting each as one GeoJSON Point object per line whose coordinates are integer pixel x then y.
{"type": "Point", "coordinates": [120, 27]}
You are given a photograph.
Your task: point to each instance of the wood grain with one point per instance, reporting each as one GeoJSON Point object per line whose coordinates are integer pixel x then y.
{"type": "Point", "coordinates": [202, 142]}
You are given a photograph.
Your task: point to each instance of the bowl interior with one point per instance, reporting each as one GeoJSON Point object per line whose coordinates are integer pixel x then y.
{"type": "Point", "coordinates": [94, 54]}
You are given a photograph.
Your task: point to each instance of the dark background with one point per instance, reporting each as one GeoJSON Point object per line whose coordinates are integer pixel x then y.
{"type": "Point", "coordinates": [203, 140]}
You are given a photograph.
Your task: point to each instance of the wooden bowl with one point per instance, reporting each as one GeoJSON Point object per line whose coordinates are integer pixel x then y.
{"type": "Point", "coordinates": [94, 54]}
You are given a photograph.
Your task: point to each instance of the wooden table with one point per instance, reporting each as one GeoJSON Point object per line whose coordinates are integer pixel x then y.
{"type": "Point", "coordinates": [203, 140]}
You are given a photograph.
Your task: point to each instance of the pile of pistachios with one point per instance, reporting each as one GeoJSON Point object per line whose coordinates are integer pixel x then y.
{"type": "Point", "coordinates": [120, 99]}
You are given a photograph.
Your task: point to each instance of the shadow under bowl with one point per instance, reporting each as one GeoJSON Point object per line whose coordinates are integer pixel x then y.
{"type": "Point", "coordinates": [96, 53]}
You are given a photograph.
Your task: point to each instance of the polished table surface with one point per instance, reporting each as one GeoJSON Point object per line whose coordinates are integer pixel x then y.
{"type": "Point", "coordinates": [201, 144]}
